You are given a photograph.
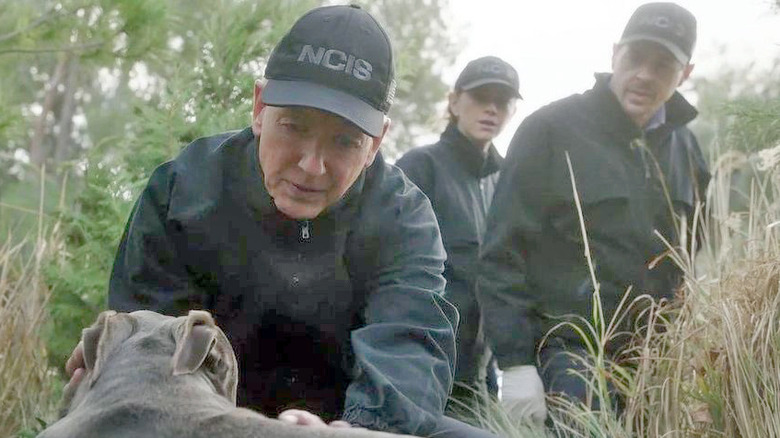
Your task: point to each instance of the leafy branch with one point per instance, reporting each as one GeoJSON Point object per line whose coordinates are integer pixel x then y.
{"type": "Point", "coordinates": [72, 48]}
{"type": "Point", "coordinates": [49, 15]}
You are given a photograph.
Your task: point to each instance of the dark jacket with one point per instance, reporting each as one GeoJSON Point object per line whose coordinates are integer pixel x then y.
{"type": "Point", "coordinates": [533, 266]}
{"type": "Point", "coordinates": [341, 314]}
{"type": "Point", "coordinates": [460, 181]}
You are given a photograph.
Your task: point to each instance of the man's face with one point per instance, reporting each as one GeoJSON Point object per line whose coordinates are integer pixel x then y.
{"type": "Point", "coordinates": [644, 77]}
{"type": "Point", "coordinates": [482, 112]}
{"type": "Point", "coordinates": [309, 157]}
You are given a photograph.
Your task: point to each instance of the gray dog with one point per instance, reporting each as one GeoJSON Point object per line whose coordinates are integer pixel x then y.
{"type": "Point", "coordinates": [149, 375]}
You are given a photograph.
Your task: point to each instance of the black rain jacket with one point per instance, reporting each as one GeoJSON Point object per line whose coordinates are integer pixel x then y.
{"type": "Point", "coordinates": [533, 269]}
{"type": "Point", "coordinates": [460, 182]}
{"type": "Point", "coordinates": [342, 314]}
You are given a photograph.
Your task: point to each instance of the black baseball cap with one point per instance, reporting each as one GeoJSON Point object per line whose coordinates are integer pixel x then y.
{"type": "Point", "coordinates": [488, 70]}
{"type": "Point", "coordinates": [668, 24]}
{"type": "Point", "coordinates": [338, 59]}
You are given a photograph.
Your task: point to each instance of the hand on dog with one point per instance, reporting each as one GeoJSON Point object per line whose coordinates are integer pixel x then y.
{"type": "Point", "coordinates": [305, 418]}
{"type": "Point", "coordinates": [74, 367]}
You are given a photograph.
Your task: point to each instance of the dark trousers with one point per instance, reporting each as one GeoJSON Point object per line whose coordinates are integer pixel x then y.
{"type": "Point", "coordinates": [474, 391]}
{"type": "Point", "coordinates": [467, 398]}
{"type": "Point", "coordinates": [448, 427]}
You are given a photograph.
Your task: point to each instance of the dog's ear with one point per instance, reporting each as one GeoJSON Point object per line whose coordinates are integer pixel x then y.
{"type": "Point", "coordinates": [200, 344]}
{"type": "Point", "coordinates": [102, 338]}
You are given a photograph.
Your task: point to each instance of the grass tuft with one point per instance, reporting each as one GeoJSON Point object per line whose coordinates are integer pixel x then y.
{"type": "Point", "coordinates": [706, 364]}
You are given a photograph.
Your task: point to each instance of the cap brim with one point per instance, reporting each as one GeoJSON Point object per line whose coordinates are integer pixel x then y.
{"type": "Point", "coordinates": [300, 93]}
{"type": "Point", "coordinates": [671, 47]}
{"type": "Point", "coordinates": [480, 82]}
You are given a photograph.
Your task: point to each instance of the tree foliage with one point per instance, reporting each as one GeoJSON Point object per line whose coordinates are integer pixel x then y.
{"type": "Point", "coordinates": [56, 53]}
{"type": "Point", "coordinates": [424, 44]}
{"type": "Point", "coordinates": [739, 108]}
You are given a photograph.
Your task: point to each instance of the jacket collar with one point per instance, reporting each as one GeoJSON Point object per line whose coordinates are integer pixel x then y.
{"type": "Point", "coordinates": [474, 161]}
{"type": "Point", "coordinates": [678, 111]}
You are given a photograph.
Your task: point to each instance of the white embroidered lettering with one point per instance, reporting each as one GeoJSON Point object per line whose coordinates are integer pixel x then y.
{"type": "Point", "coordinates": [362, 70]}
{"type": "Point", "coordinates": [328, 60]}
{"type": "Point", "coordinates": [308, 55]}
{"type": "Point", "coordinates": [337, 60]}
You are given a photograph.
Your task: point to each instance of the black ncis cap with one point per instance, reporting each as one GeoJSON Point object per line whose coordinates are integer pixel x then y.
{"type": "Point", "coordinates": [488, 70]}
{"type": "Point", "coordinates": [338, 59]}
{"type": "Point", "coordinates": [668, 24]}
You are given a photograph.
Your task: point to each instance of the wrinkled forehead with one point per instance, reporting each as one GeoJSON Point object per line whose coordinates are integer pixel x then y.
{"type": "Point", "coordinates": [146, 320]}
{"type": "Point", "coordinates": [317, 116]}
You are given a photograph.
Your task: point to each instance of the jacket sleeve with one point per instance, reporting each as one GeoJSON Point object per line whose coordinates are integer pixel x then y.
{"type": "Point", "coordinates": [404, 354]}
{"type": "Point", "coordinates": [511, 319]}
{"type": "Point", "coordinates": [148, 270]}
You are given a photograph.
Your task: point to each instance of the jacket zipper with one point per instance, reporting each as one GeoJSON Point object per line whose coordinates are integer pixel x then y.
{"type": "Point", "coordinates": [482, 196]}
{"type": "Point", "coordinates": [305, 230]}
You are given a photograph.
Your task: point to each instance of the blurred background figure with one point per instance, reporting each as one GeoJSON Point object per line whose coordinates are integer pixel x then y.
{"type": "Point", "coordinates": [459, 175]}
{"type": "Point", "coordinates": [639, 171]}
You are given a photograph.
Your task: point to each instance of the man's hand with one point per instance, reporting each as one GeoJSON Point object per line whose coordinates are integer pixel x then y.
{"type": "Point", "coordinates": [305, 418]}
{"type": "Point", "coordinates": [523, 393]}
{"type": "Point", "coordinates": [75, 367]}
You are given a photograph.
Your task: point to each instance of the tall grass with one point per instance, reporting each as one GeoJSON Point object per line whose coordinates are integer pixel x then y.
{"type": "Point", "coordinates": [718, 369]}
{"type": "Point", "coordinates": [708, 363]}
{"type": "Point", "coordinates": [26, 381]}
{"type": "Point", "coordinates": [705, 365]}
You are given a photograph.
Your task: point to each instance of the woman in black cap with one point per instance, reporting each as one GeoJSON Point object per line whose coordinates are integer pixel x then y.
{"type": "Point", "coordinates": [458, 174]}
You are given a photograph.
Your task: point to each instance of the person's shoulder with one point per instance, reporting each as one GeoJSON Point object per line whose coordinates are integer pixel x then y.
{"type": "Point", "coordinates": [426, 149]}
{"type": "Point", "coordinates": [545, 118]}
{"type": "Point", "coordinates": [390, 197]}
{"type": "Point", "coordinates": [685, 131]}
{"type": "Point", "coordinates": [390, 183]}
{"type": "Point", "coordinates": [393, 212]}
{"type": "Point", "coordinates": [418, 154]}
{"type": "Point", "coordinates": [205, 161]}
{"type": "Point", "coordinates": [687, 141]}
{"type": "Point", "coordinates": [539, 134]}
{"type": "Point", "coordinates": [204, 150]}
{"type": "Point", "coordinates": [558, 109]}
{"type": "Point", "coordinates": [199, 173]}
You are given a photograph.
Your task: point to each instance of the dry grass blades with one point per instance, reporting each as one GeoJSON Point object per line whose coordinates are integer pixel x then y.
{"type": "Point", "coordinates": [25, 380]}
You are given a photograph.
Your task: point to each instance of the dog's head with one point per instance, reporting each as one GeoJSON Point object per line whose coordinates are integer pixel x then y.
{"type": "Point", "coordinates": [193, 344]}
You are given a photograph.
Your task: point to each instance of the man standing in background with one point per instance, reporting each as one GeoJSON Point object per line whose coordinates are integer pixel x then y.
{"type": "Point", "coordinates": [638, 169]}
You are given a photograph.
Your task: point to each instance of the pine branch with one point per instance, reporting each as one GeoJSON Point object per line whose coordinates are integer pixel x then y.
{"type": "Point", "coordinates": [40, 20]}
{"type": "Point", "coordinates": [73, 48]}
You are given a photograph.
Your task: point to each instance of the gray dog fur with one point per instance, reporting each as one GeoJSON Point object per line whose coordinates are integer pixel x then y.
{"type": "Point", "coordinates": [150, 375]}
